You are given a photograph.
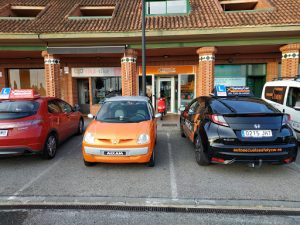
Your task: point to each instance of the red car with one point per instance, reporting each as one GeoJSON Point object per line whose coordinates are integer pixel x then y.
{"type": "Point", "coordinates": [33, 124]}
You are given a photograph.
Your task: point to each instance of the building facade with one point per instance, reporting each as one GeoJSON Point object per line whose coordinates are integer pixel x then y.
{"type": "Point", "coordinates": [86, 50]}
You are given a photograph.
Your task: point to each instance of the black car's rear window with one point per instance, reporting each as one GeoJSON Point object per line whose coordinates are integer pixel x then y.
{"type": "Point", "coordinates": [17, 109]}
{"type": "Point", "coordinates": [241, 105]}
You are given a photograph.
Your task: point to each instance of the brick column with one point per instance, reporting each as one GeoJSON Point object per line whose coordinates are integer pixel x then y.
{"type": "Point", "coordinates": [205, 73]}
{"type": "Point", "coordinates": [2, 78]}
{"type": "Point", "coordinates": [52, 75]}
{"type": "Point", "coordinates": [272, 71]}
{"type": "Point", "coordinates": [290, 60]}
{"type": "Point", "coordinates": [129, 73]}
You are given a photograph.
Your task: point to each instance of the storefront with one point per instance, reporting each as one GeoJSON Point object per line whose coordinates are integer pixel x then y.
{"type": "Point", "coordinates": [94, 84]}
{"type": "Point", "coordinates": [27, 79]}
{"type": "Point", "coordinates": [175, 83]}
{"type": "Point", "coordinates": [252, 75]}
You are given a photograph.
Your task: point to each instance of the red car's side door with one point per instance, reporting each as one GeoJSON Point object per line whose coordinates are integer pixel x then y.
{"type": "Point", "coordinates": [71, 117]}
{"type": "Point", "coordinates": [56, 120]}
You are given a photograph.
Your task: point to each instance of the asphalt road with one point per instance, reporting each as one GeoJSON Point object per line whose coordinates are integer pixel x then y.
{"type": "Point", "coordinates": [176, 176]}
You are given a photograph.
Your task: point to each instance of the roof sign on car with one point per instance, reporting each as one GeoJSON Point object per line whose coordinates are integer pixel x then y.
{"type": "Point", "coordinates": [8, 93]}
{"type": "Point", "coordinates": [5, 92]}
{"type": "Point", "coordinates": [223, 91]}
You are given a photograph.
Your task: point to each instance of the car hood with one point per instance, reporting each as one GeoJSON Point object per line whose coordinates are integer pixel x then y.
{"type": "Point", "coordinates": [102, 130]}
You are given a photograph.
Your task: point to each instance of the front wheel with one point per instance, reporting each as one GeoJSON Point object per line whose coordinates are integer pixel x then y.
{"type": "Point", "coordinates": [50, 147]}
{"type": "Point", "coordinates": [80, 127]}
{"type": "Point", "coordinates": [200, 155]}
{"type": "Point", "coordinates": [151, 163]}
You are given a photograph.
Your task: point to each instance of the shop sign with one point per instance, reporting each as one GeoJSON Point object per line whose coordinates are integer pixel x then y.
{"type": "Point", "coordinates": [172, 70]}
{"type": "Point", "coordinates": [96, 72]}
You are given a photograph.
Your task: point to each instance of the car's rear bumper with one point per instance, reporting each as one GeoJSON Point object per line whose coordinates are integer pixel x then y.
{"type": "Point", "coordinates": [133, 155]}
{"type": "Point", "coordinates": [19, 150]}
{"type": "Point", "coordinates": [268, 154]}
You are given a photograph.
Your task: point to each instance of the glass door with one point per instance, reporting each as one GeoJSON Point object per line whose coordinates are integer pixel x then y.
{"type": "Point", "coordinates": [166, 89]}
{"type": "Point", "coordinates": [83, 95]}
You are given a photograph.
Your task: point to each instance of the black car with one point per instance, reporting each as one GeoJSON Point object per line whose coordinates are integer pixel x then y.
{"type": "Point", "coordinates": [238, 129]}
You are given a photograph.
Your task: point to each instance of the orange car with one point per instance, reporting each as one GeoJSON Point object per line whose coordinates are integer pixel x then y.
{"type": "Point", "coordinates": [124, 131]}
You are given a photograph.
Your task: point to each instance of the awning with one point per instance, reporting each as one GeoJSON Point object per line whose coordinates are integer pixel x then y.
{"type": "Point", "coordinates": [86, 50]}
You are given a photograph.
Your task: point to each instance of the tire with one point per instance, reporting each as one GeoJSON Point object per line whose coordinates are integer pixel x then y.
{"type": "Point", "coordinates": [50, 147]}
{"type": "Point", "coordinates": [88, 164]}
{"type": "Point", "coordinates": [201, 157]}
{"type": "Point", "coordinates": [151, 163]}
{"type": "Point", "coordinates": [80, 127]}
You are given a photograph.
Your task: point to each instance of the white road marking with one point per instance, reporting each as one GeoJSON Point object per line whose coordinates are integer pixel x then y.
{"type": "Point", "coordinates": [172, 172]}
{"type": "Point", "coordinates": [27, 185]}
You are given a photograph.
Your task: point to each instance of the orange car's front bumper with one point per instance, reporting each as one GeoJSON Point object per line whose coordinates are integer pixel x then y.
{"type": "Point", "coordinates": [132, 155]}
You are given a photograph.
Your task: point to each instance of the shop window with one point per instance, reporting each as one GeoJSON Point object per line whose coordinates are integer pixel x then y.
{"type": "Point", "coordinates": [10, 11]}
{"type": "Point", "coordinates": [92, 12]}
{"type": "Point", "coordinates": [148, 86]}
{"type": "Point", "coordinates": [105, 87]}
{"type": "Point", "coordinates": [230, 75]}
{"type": "Point", "coordinates": [244, 5]}
{"type": "Point", "coordinates": [28, 79]}
{"type": "Point", "coordinates": [165, 7]}
{"type": "Point", "coordinates": [187, 89]}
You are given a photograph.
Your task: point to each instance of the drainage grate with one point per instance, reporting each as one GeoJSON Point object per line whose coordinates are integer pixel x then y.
{"type": "Point", "coordinates": [169, 125]}
{"type": "Point", "coordinates": [155, 209]}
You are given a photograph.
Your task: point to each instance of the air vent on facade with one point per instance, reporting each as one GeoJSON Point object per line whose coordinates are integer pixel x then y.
{"type": "Point", "coordinates": [92, 11]}
{"type": "Point", "coordinates": [21, 11]}
{"type": "Point", "coordinates": [242, 5]}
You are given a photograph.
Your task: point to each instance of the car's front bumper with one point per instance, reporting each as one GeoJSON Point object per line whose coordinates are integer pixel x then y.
{"type": "Point", "coordinates": [265, 153]}
{"type": "Point", "coordinates": [131, 155]}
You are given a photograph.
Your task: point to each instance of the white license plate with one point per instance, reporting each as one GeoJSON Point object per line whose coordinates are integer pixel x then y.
{"type": "Point", "coordinates": [256, 133]}
{"type": "Point", "coordinates": [3, 133]}
{"type": "Point", "coordinates": [115, 153]}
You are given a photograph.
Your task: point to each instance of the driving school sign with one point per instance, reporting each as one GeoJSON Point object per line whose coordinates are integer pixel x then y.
{"type": "Point", "coordinates": [96, 72]}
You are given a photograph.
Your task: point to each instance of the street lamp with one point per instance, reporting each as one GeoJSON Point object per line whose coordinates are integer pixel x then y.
{"type": "Point", "coordinates": [143, 48]}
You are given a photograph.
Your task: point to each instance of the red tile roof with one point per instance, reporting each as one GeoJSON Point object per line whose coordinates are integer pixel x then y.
{"type": "Point", "coordinates": [204, 14]}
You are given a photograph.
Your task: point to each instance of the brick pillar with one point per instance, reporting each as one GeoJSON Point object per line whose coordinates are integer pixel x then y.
{"type": "Point", "coordinates": [52, 75]}
{"type": "Point", "coordinates": [290, 60]}
{"type": "Point", "coordinates": [129, 73]}
{"type": "Point", "coordinates": [272, 71]}
{"type": "Point", "coordinates": [2, 78]}
{"type": "Point", "coordinates": [205, 73]}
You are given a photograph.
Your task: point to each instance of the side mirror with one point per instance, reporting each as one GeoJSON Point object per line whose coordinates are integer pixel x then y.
{"type": "Point", "coordinates": [90, 116]}
{"type": "Point", "coordinates": [76, 107]}
{"type": "Point", "coordinates": [181, 108]}
{"type": "Point", "coordinates": [191, 112]}
{"type": "Point", "coordinates": [158, 115]}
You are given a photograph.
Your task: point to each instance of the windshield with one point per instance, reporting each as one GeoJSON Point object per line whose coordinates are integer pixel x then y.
{"type": "Point", "coordinates": [123, 112]}
{"type": "Point", "coordinates": [17, 109]}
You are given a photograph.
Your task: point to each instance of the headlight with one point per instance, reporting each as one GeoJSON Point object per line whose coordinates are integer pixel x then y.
{"type": "Point", "coordinates": [89, 138]}
{"type": "Point", "coordinates": [143, 139]}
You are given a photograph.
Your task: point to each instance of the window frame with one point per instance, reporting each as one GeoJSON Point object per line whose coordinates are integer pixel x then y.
{"type": "Point", "coordinates": [188, 8]}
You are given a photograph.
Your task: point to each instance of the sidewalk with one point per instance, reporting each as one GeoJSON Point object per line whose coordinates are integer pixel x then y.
{"type": "Point", "coordinates": [169, 122]}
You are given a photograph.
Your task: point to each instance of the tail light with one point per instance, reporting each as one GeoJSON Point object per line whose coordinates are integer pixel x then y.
{"type": "Point", "coordinates": [286, 119]}
{"type": "Point", "coordinates": [219, 120]}
{"type": "Point", "coordinates": [20, 124]}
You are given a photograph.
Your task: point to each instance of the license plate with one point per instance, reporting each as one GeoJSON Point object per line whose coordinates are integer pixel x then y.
{"type": "Point", "coordinates": [115, 153]}
{"type": "Point", "coordinates": [3, 133]}
{"type": "Point", "coordinates": [256, 133]}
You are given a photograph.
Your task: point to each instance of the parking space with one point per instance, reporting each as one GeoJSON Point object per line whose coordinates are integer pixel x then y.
{"type": "Point", "coordinates": [175, 176]}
